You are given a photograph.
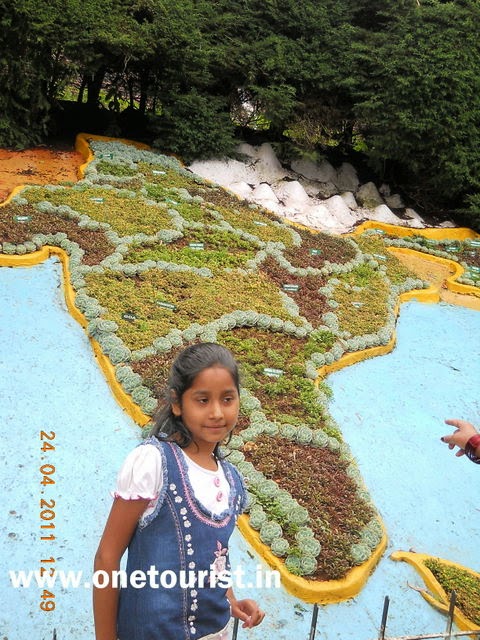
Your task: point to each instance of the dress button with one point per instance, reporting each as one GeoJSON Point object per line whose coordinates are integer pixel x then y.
{"type": "Point", "coordinates": [219, 496]}
{"type": "Point", "coordinates": [216, 481]}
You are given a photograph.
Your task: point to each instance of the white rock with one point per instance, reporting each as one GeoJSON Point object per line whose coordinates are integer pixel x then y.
{"type": "Point", "coordinates": [415, 224]}
{"type": "Point", "coordinates": [241, 189]}
{"type": "Point", "coordinates": [346, 178]}
{"type": "Point", "coordinates": [349, 199]}
{"type": "Point", "coordinates": [412, 214]}
{"type": "Point", "coordinates": [340, 210]}
{"type": "Point", "coordinates": [326, 190]}
{"type": "Point", "coordinates": [326, 173]}
{"type": "Point", "coordinates": [264, 195]}
{"type": "Point", "coordinates": [368, 196]}
{"type": "Point", "coordinates": [247, 150]}
{"type": "Point", "coordinates": [310, 186]}
{"type": "Point", "coordinates": [383, 214]}
{"type": "Point", "coordinates": [394, 201]}
{"type": "Point", "coordinates": [448, 224]}
{"type": "Point", "coordinates": [414, 220]}
{"type": "Point", "coordinates": [318, 189]}
{"type": "Point", "coordinates": [292, 194]}
{"type": "Point", "coordinates": [319, 217]}
{"type": "Point", "coordinates": [223, 172]}
{"type": "Point", "coordinates": [323, 172]}
{"type": "Point", "coordinates": [264, 192]}
{"type": "Point", "coordinates": [268, 167]}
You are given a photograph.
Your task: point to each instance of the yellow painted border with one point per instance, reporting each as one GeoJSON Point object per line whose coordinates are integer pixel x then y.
{"type": "Point", "coordinates": [326, 592]}
{"type": "Point", "coordinates": [455, 267]}
{"type": "Point", "coordinates": [82, 146]}
{"type": "Point", "coordinates": [31, 259]}
{"type": "Point", "coordinates": [430, 295]}
{"type": "Point", "coordinates": [443, 233]}
{"type": "Point", "coordinates": [441, 601]}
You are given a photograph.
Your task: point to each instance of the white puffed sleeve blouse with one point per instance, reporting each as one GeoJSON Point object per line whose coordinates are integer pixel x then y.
{"type": "Point", "coordinates": [141, 476]}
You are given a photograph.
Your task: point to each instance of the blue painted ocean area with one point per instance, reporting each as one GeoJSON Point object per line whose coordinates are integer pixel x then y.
{"type": "Point", "coordinates": [391, 411]}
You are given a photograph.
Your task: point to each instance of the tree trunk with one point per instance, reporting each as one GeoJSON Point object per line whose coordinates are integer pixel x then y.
{"type": "Point", "coordinates": [81, 91]}
{"type": "Point", "coordinates": [144, 82]}
{"type": "Point", "coordinates": [94, 84]}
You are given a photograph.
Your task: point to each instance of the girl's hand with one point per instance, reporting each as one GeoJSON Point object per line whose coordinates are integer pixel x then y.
{"type": "Point", "coordinates": [460, 437]}
{"type": "Point", "coordinates": [248, 611]}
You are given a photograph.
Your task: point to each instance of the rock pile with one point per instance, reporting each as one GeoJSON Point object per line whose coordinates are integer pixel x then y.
{"type": "Point", "coordinates": [316, 195]}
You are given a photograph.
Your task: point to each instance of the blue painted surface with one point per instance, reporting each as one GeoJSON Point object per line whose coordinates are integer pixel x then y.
{"type": "Point", "coordinates": [51, 382]}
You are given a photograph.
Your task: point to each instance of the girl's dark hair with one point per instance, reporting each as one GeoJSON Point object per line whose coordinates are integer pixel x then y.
{"type": "Point", "coordinates": [185, 368]}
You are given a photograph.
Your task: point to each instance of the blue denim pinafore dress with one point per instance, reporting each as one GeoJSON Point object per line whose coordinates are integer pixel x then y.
{"type": "Point", "coordinates": [179, 540]}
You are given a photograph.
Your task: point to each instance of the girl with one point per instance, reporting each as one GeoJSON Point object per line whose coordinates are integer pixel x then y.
{"type": "Point", "coordinates": [175, 507]}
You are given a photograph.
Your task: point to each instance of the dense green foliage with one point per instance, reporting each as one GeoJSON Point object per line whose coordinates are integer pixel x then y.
{"type": "Point", "coordinates": [24, 62]}
{"type": "Point", "coordinates": [419, 97]}
{"type": "Point", "coordinates": [397, 80]}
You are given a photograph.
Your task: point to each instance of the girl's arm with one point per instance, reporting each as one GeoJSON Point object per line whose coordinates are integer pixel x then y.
{"type": "Point", "coordinates": [247, 610]}
{"type": "Point", "coordinates": [118, 532]}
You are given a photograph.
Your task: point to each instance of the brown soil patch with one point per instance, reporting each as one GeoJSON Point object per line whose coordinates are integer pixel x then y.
{"type": "Point", "coordinates": [37, 166]}
{"type": "Point", "coordinates": [437, 273]}
{"type": "Point", "coordinates": [332, 248]}
{"type": "Point", "coordinates": [94, 243]}
{"type": "Point", "coordinates": [310, 302]}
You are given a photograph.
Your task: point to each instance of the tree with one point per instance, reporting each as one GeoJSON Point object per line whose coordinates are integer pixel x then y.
{"type": "Point", "coordinates": [418, 98]}
{"type": "Point", "coordinates": [24, 71]}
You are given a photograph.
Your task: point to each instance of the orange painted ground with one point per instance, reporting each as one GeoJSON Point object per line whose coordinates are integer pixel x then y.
{"type": "Point", "coordinates": [37, 166]}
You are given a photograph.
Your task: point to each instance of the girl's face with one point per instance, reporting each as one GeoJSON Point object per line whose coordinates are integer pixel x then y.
{"type": "Point", "coordinates": [209, 408]}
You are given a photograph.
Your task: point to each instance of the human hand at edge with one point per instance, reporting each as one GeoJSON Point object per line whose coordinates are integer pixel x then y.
{"type": "Point", "coordinates": [459, 438]}
{"type": "Point", "coordinates": [248, 611]}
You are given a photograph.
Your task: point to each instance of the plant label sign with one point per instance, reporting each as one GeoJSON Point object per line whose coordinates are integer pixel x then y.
{"type": "Point", "coordinates": [196, 246]}
{"type": "Point", "coordinates": [379, 256]}
{"type": "Point", "coordinates": [129, 315]}
{"type": "Point", "coordinates": [166, 305]}
{"type": "Point", "coordinates": [22, 219]}
{"type": "Point", "coordinates": [290, 287]}
{"type": "Point", "coordinates": [259, 223]}
{"type": "Point", "coordinates": [273, 373]}
{"type": "Point", "coordinates": [158, 173]}
{"type": "Point", "coordinates": [98, 200]}
{"type": "Point", "coordinates": [315, 252]}
{"type": "Point", "coordinates": [357, 305]}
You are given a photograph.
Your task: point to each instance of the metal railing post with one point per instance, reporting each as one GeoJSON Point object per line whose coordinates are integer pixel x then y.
{"type": "Point", "coordinates": [383, 624]}
{"type": "Point", "coordinates": [313, 625]}
{"type": "Point", "coordinates": [235, 629]}
{"type": "Point", "coordinates": [451, 610]}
